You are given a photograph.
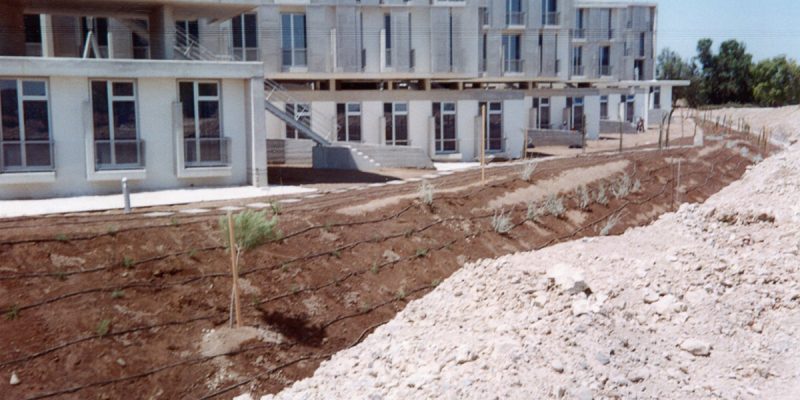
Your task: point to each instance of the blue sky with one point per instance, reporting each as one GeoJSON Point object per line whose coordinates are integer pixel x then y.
{"type": "Point", "coordinates": [768, 27]}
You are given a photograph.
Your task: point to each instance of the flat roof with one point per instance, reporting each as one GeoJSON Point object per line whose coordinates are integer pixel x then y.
{"type": "Point", "coordinates": [182, 9]}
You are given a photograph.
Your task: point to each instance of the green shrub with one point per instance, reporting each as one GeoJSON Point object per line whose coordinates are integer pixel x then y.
{"type": "Point", "coordinates": [251, 229]}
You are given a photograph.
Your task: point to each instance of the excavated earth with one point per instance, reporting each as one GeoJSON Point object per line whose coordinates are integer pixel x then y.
{"type": "Point", "coordinates": [107, 305]}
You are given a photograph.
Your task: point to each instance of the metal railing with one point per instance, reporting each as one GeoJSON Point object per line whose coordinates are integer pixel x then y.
{"type": "Point", "coordinates": [577, 70]}
{"type": "Point", "coordinates": [515, 18]}
{"type": "Point", "coordinates": [605, 70]}
{"type": "Point", "coordinates": [551, 18]}
{"type": "Point", "coordinates": [275, 93]}
{"type": "Point", "coordinates": [579, 33]}
{"type": "Point", "coordinates": [246, 53]}
{"type": "Point", "coordinates": [513, 65]}
{"type": "Point", "coordinates": [206, 152]}
{"type": "Point", "coordinates": [294, 57]}
{"type": "Point", "coordinates": [188, 46]}
{"type": "Point", "coordinates": [446, 146]}
{"type": "Point", "coordinates": [118, 154]}
{"type": "Point", "coordinates": [27, 156]}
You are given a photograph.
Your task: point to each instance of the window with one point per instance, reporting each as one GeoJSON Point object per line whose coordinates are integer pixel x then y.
{"type": "Point", "coordinates": [187, 33]}
{"type": "Point", "coordinates": [25, 130]}
{"type": "Point", "coordinates": [512, 61]}
{"type": "Point", "coordinates": [641, 44]}
{"type": "Point", "coordinates": [141, 47]}
{"type": "Point", "coordinates": [33, 35]}
{"type": "Point", "coordinates": [450, 39]}
{"type": "Point", "coordinates": [203, 143]}
{"type": "Point", "coordinates": [550, 12]}
{"type": "Point", "coordinates": [514, 14]}
{"type": "Point", "coordinates": [99, 29]}
{"type": "Point", "coordinates": [575, 105]}
{"type": "Point", "coordinates": [577, 60]}
{"type": "Point", "coordinates": [580, 32]}
{"type": "Point", "coordinates": [605, 60]}
{"type": "Point", "coordinates": [293, 33]}
{"type": "Point", "coordinates": [348, 122]}
{"type": "Point", "coordinates": [302, 114]}
{"type": "Point", "coordinates": [245, 37]}
{"type": "Point", "coordinates": [629, 109]}
{"type": "Point", "coordinates": [656, 91]}
{"type": "Point", "coordinates": [542, 107]}
{"type": "Point", "coordinates": [396, 116]}
{"type": "Point", "coordinates": [494, 125]}
{"type": "Point", "coordinates": [116, 139]}
{"type": "Point", "coordinates": [483, 52]}
{"type": "Point", "coordinates": [387, 27]}
{"type": "Point", "coordinates": [603, 107]}
{"type": "Point", "coordinates": [444, 117]}
{"type": "Point", "coordinates": [483, 17]}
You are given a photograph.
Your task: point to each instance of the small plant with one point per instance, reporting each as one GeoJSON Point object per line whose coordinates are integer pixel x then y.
{"type": "Point", "coordinates": [622, 187]}
{"type": "Point", "coordinates": [425, 193]}
{"type": "Point", "coordinates": [251, 229]}
{"type": "Point", "coordinates": [12, 313]}
{"type": "Point", "coordinates": [174, 221]}
{"type": "Point", "coordinates": [436, 282]}
{"type": "Point", "coordinates": [611, 222]}
{"type": "Point", "coordinates": [61, 275]}
{"type": "Point", "coordinates": [534, 212]}
{"type": "Point", "coordinates": [192, 253]}
{"type": "Point", "coordinates": [295, 289]}
{"type": "Point", "coordinates": [401, 294]}
{"type": "Point", "coordinates": [601, 197]}
{"type": "Point", "coordinates": [336, 253]}
{"type": "Point", "coordinates": [128, 262]}
{"type": "Point", "coordinates": [328, 226]}
{"type": "Point", "coordinates": [637, 186]}
{"type": "Point", "coordinates": [112, 229]}
{"type": "Point", "coordinates": [555, 206]}
{"type": "Point", "coordinates": [117, 294]}
{"type": "Point", "coordinates": [275, 207]}
{"type": "Point", "coordinates": [422, 252]}
{"type": "Point", "coordinates": [284, 267]}
{"type": "Point", "coordinates": [375, 267]}
{"type": "Point", "coordinates": [501, 222]}
{"type": "Point", "coordinates": [584, 199]}
{"type": "Point", "coordinates": [62, 237]}
{"type": "Point", "coordinates": [364, 307]}
{"type": "Point", "coordinates": [527, 171]}
{"type": "Point", "coordinates": [103, 327]}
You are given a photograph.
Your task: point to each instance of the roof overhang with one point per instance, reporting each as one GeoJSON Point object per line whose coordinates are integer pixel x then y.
{"type": "Point", "coordinates": [217, 10]}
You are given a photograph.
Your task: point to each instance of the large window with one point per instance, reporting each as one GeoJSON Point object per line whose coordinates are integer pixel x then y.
{"type": "Point", "coordinates": [629, 107]}
{"type": "Point", "coordinates": [387, 29]}
{"type": "Point", "coordinates": [204, 145]}
{"type": "Point", "coordinates": [116, 138]}
{"type": "Point", "coordinates": [550, 12]}
{"type": "Point", "coordinates": [444, 116]}
{"type": "Point", "coordinates": [580, 24]}
{"type": "Point", "coordinates": [542, 107]}
{"type": "Point", "coordinates": [577, 60]}
{"type": "Point", "coordinates": [396, 115]}
{"type": "Point", "coordinates": [656, 91]}
{"type": "Point", "coordinates": [494, 125]}
{"type": "Point", "coordinates": [25, 130]}
{"type": "Point", "coordinates": [514, 13]}
{"type": "Point", "coordinates": [605, 60]}
{"type": "Point", "coordinates": [348, 118]}
{"type": "Point", "coordinates": [301, 114]}
{"type": "Point", "coordinates": [245, 37]}
{"type": "Point", "coordinates": [293, 42]}
{"type": "Point", "coordinates": [604, 107]}
{"type": "Point", "coordinates": [575, 105]}
{"type": "Point", "coordinates": [512, 56]}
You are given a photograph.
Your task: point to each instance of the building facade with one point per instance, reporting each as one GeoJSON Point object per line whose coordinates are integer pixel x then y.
{"type": "Point", "coordinates": [170, 93]}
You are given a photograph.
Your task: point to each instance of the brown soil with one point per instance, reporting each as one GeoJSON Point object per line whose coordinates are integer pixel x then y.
{"type": "Point", "coordinates": [163, 283]}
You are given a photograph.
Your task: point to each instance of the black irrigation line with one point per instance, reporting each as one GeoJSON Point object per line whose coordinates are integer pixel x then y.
{"type": "Point", "coordinates": [337, 319]}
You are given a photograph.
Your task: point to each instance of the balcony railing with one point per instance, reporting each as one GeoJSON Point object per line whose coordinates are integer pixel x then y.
{"type": "Point", "coordinates": [118, 154]}
{"type": "Point", "coordinates": [27, 156]}
{"type": "Point", "coordinates": [579, 33]}
{"type": "Point", "coordinates": [246, 53]}
{"type": "Point", "coordinates": [206, 152]}
{"type": "Point", "coordinates": [515, 18]}
{"type": "Point", "coordinates": [605, 70]}
{"type": "Point", "coordinates": [515, 65]}
{"type": "Point", "coordinates": [551, 18]}
{"type": "Point", "coordinates": [577, 70]}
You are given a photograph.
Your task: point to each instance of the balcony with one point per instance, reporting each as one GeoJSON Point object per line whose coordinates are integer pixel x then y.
{"type": "Point", "coordinates": [515, 18]}
{"type": "Point", "coordinates": [513, 65]}
{"type": "Point", "coordinates": [577, 70]}
{"type": "Point", "coordinates": [207, 152]}
{"type": "Point", "coordinates": [551, 18]}
{"type": "Point", "coordinates": [26, 156]}
{"type": "Point", "coordinates": [605, 70]}
{"type": "Point", "coordinates": [579, 33]}
{"type": "Point", "coordinates": [118, 154]}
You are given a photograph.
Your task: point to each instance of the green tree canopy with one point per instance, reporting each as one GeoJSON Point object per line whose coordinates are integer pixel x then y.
{"type": "Point", "coordinates": [776, 82]}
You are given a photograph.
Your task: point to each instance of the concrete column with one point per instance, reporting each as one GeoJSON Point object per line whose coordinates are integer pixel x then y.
{"type": "Point", "coordinates": [12, 30]}
{"type": "Point", "coordinates": [46, 21]}
{"type": "Point", "coordinates": [257, 135]}
{"type": "Point", "coordinates": [162, 33]}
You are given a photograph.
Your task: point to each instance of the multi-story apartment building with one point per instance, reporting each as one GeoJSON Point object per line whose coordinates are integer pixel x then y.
{"type": "Point", "coordinates": [85, 84]}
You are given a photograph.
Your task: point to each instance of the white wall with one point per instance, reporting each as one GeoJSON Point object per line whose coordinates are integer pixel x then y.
{"type": "Point", "coordinates": [419, 113]}
{"type": "Point", "coordinates": [591, 109]}
{"type": "Point", "coordinates": [515, 116]}
{"type": "Point", "coordinates": [469, 144]}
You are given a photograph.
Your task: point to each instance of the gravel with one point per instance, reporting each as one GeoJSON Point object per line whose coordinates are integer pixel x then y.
{"type": "Point", "coordinates": [703, 303]}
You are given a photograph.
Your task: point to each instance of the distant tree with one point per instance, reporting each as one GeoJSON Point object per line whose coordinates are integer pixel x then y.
{"type": "Point", "coordinates": [726, 76]}
{"type": "Point", "coordinates": [776, 82]}
{"type": "Point", "coordinates": [670, 66]}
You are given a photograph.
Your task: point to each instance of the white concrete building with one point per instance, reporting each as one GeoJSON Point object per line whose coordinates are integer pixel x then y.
{"type": "Point", "coordinates": [170, 93]}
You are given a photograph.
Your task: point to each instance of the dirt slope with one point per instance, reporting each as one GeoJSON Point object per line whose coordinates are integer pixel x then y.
{"type": "Point", "coordinates": [704, 303]}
